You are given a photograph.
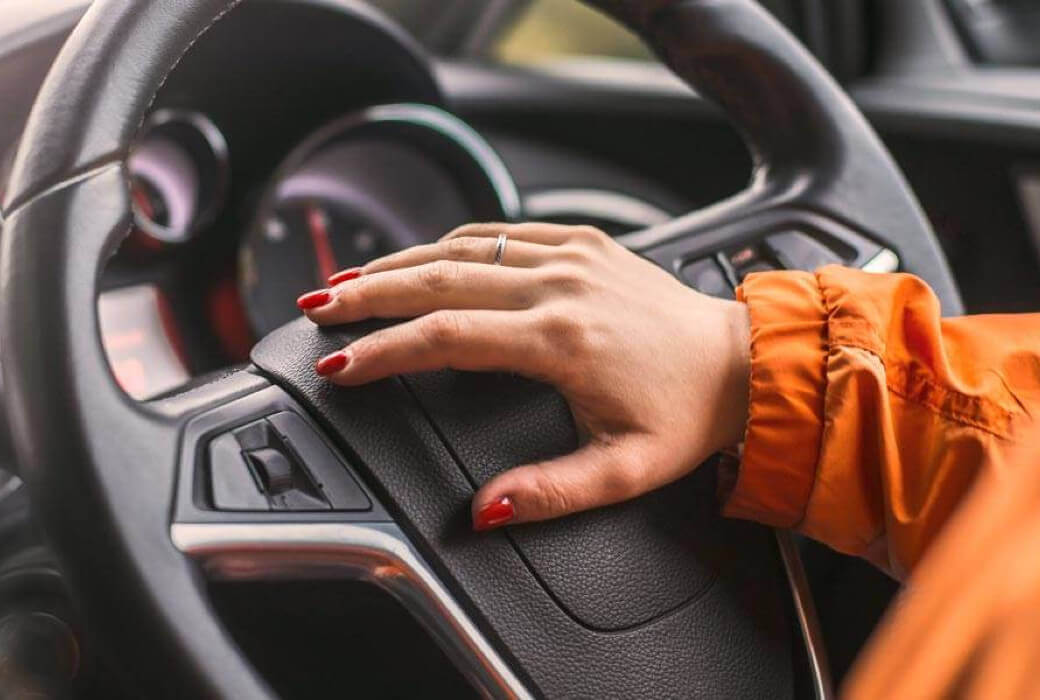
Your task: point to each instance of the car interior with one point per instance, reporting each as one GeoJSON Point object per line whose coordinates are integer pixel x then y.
{"type": "Point", "coordinates": [186, 512]}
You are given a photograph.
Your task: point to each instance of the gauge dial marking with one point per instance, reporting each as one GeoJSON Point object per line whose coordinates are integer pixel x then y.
{"type": "Point", "coordinates": [318, 227]}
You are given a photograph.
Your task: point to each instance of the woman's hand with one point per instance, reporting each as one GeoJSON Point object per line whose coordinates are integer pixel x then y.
{"type": "Point", "coordinates": [655, 373]}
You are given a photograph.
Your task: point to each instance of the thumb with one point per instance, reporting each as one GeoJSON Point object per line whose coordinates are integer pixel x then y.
{"type": "Point", "coordinates": [598, 474]}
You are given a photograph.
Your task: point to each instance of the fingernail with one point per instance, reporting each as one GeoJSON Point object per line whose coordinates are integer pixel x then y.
{"type": "Point", "coordinates": [344, 276]}
{"type": "Point", "coordinates": [312, 300]}
{"type": "Point", "coordinates": [494, 514]}
{"type": "Point", "coordinates": [330, 364]}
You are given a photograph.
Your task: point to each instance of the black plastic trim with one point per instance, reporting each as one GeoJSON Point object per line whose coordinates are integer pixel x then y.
{"type": "Point", "coordinates": [675, 255]}
{"type": "Point", "coordinates": [202, 428]}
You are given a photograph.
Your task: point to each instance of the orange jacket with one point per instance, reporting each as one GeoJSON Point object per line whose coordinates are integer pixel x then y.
{"type": "Point", "coordinates": [872, 420]}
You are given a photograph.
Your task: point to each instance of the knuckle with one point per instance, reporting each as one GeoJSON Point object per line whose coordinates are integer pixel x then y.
{"type": "Point", "coordinates": [530, 228]}
{"type": "Point", "coordinates": [573, 253]}
{"type": "Point", "coordinates": [591, 235]}
{"type": "Point", "coordinates": [553, 324]}
{"type": "Point", "coordinates": [470, 230]}
{"type": "Point", "coordinates": [562, 332]}
{"type": "Point", "coordinates": [442, 328]}
{"type": "Point", "coordinates": [573, 337]}
{"type": "Point", "coordinates": [366, 349]}
{"type": "Point", "coordinates": [458, 231]}
{"type": "Point", "coordinates": [360, 294]}
{"type": "Point", "coordinates": [439, 276]}
{"type": "Point", "coordinates": [566, 279]}
{"type": "Point", "coordinates": [461, 248]}
{"type": "Point", "coordinates": [375, 349]}
{"type": "Point", "coordinates": [549, 494]}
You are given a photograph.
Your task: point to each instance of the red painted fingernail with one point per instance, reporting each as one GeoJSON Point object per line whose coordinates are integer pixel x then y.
{"type": "Point", "coordinates": [330, 364]}
{"type": "Point", "coordinates": [344, 276]}
{"type": "Point", "coordinates": [312, 300]}
{"type": "Point", "coordinates": [494, 514]}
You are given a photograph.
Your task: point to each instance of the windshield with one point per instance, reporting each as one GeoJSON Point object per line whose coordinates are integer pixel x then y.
{"type": "Point", "coordinates": [514, 31]}
{"type": "Point", "coordinates": [548, 29]}
{"type": "Point", "coordinates": [543, 31]}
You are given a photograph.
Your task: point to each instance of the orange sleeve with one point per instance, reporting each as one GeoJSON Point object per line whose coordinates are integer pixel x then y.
{"type": "Point", "coordinates": [870, 415]}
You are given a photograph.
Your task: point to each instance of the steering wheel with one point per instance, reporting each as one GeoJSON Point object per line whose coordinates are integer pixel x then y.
{"type": "Point", "coordinates": [139, 500]}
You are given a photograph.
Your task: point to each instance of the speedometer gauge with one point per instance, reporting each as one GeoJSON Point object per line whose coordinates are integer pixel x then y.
{"type": "Point", "coordinates": [365, 186]}
{"type": "Point", "coordinates": [297, 247]}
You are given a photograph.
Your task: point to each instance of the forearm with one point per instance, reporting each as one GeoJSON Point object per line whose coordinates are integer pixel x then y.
{"type": "Point", "coordinates": [870, 417]}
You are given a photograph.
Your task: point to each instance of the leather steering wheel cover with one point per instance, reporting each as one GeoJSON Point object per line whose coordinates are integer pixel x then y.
{"type": "Point", "coordinates": [811, 146]}
{"type": "Point", "coordinates": [102, 84]}
{"type": "Point", "coordinates": [100, 468]}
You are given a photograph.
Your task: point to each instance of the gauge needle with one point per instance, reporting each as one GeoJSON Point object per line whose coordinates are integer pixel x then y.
{"type": "Point", "coordinates": [318, 226]}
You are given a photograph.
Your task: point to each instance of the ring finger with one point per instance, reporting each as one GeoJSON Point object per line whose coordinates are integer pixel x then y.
{"type": "Point", "coordinates": [531, 232]}
{"type": "Point", "coordinates": [466, 249]}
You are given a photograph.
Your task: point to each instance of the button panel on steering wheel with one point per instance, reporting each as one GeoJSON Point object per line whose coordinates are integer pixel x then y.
{"type": "Point", "coordinates": [259, 456]}
{"type": "Point", "coordinates": [718, 273]}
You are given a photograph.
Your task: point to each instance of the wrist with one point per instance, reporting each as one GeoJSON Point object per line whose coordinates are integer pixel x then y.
{"type": "Point", "coordinates": [738, 375]}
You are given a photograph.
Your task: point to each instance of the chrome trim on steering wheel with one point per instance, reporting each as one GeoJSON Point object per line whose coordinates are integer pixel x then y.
{"type": "Point", "coordinates": [377, 553]}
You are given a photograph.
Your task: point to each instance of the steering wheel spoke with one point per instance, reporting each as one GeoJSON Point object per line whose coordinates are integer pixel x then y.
{"type": "Point", "coordinates": [375, 552]}
{"type": "Point", "coordinates": [813, 151]}
{"type": "Point", "coordinates": [714, 249]}
{"type": "Point", "coordinates": [263, 494]}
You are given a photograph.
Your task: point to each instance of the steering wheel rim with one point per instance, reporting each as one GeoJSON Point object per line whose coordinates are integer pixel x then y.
{"type": "Point", "coordinates": [68, 204]}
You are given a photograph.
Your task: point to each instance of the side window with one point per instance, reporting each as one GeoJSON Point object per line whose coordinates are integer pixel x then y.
{"type": "Point", "coordinates": [550, 29]}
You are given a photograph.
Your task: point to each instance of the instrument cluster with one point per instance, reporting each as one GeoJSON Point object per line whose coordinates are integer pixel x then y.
{"type": "Point", "coordinates": [179, 173]}
{"type": "Point", "coordinates": [374, 181]}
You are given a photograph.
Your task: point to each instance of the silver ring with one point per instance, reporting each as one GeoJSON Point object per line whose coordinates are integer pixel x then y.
{"type": "Point", "coordinates": [500, 248]}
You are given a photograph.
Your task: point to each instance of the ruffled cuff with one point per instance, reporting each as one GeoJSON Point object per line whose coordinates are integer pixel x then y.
{"type": "Point", "coordinates": [788, 382]}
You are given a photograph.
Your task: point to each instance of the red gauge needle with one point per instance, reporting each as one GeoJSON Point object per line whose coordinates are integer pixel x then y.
{"type": "Point", "coordinates": [318, 226]}
{"type": "Point", "coordinates": [146, 208]}
{"type": "Point", "coordinates": [143, 201]}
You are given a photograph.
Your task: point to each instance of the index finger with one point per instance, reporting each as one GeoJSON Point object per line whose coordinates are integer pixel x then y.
{"type": "Point", "coordinates": [465, 340]}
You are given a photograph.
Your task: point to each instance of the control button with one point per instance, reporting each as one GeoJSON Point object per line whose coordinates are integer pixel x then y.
{"type": "Point", "coordinates": [798, 251]}
{"type": "Point", "coordinates": [252, 468]}
{"type": "Point", "coordinates": [253, 436]}
{"type": "Point", "coordinates": [744, 256]}
{"type": "Point", "coordinates": [707, 277]}
{"type": "Point", "coordinates": [232, 483]}
{"type": "Point", "coordinates": [331, 475]}
{"type": "Point", "coordinates": [741, 262]}
{"type": "Point", "coordinates": [885, 261]}
{"type": "Point", "coordinates": [288, 486]}
{"type": "Point", "coordinates": [280, 463]}
{"type": "Point", "coordinates": [274, 469]}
